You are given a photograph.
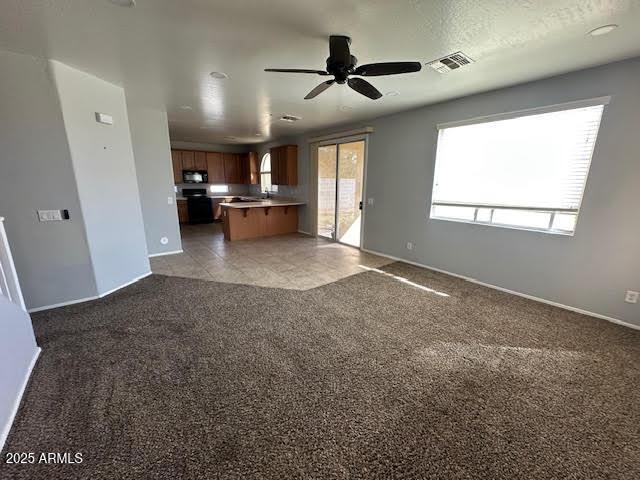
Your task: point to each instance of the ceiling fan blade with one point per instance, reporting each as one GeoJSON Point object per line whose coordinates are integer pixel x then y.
{"type": "Point", "coordinates": [387, 68]}
{"type": "Point", "coordinates": [339, 49]}
{"type": "Point", "coordinates": [295, 70]}
{"type": "Point", "coordinates": [319, 89]}
{"type": "Point", "coordinates": [364, 87]}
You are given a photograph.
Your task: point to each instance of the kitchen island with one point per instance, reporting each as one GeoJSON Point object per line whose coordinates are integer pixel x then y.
{"type": "Point", "coordinates": [253, 219]}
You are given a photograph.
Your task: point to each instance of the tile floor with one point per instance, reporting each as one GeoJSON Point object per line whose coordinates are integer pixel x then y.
{"type": "Point", "coordinates": [293, 261]}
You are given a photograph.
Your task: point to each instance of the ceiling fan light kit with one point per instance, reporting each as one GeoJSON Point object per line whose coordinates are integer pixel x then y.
{"type": "Point", "coordinates": [343, 67]}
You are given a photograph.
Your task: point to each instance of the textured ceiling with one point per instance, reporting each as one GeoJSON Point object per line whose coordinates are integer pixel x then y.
{"type": "Point", "coordinates": [162, 51]}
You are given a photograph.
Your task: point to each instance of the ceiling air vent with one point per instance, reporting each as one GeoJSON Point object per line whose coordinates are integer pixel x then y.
{"type": "Point", "coordinates": [450, 62]}
{"type": "Point", "coordinates": [290, 118]}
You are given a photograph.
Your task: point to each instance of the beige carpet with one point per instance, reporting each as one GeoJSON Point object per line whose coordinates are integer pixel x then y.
{"type": "Point", "coordinates": [406, 374]}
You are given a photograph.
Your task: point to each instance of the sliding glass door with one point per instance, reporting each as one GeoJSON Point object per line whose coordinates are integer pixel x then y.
{"type": "Point", "coordinates": [327, 186]}
{"type": "Point", "coordinates": [340, 190]}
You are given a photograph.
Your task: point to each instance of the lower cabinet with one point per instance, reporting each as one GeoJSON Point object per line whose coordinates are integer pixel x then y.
{"type": "Point", "coordinates": [217, 209]}
{"type": "Point", "coordinates": [282, 220]}
{"type": "Point", "coordinates": [243, 223]}
{"type": "Point", "coordinates": [183, 212]}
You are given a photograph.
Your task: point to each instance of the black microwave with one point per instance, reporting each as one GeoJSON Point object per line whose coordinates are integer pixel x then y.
{"type": "Point", "coordinates": [195, 176]}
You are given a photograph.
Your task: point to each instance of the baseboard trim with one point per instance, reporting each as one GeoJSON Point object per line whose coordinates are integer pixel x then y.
{"type": "Point", "coordinates": [165, 253]}
{"type": "Point", "coordinates": [305, 233]}
{"type": "Point", "coordinates": [88, 299]}
{"type": "Point", "coordinates": [109, 292]}
{"type": "Point", "coordinates": [16, 404]}
{"type": "Point", "coordinates": [62, 304]}
{"type": "Point", "coordinates": [512, 292]}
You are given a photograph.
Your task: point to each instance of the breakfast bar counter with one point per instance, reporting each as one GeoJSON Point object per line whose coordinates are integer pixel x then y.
{"type": "Point", "coordinates": [264, 218]}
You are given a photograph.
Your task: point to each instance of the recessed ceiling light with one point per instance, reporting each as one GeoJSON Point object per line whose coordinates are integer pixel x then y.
{"type": "Point", "coordinates": [392, 93]}
{"type": "Point", "coordinates": [603, 30]}
{"type": "Point", "coordinates": [346, 108]}
{"type": "Point", "coordinates": [186, 107]}
{"type": "Point", "coordinates": [258, 134]}
{"type": "Point", "coordinates": [124, 3]}
{"type": "Point", "coordinates": [219, 75]}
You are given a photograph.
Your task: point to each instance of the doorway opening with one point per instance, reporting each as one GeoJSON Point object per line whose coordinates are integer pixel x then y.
{"type": "Point", "coordinates": [340, 191]}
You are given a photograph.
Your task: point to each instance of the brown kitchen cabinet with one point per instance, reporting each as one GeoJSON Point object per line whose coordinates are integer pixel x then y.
{"type": "Point", "coordinates": [232, 168]}
{"type": "Point", "coordinates": [200, 160]}
{"type": "Point", "coordinates": [176, 162]}
{"type": "Point", "coordinates": [183, 212]}
{"type": "Point", "coordinates": [188, 160]}
{"type": "Point", "coordinates": [284, 165]}
{"type": "Point", "coordinates": [254, 168]}
{"type": "Point", "coordinates": [215, 167]}
{"type": "Point", "coordinates": [217, 209]}
{"type": "Point", "coordinates": [244, 167]}
{"type": "Point", "coordinates": [254, 222]}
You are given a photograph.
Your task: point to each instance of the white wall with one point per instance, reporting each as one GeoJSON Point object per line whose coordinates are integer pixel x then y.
{"type": "Point", "coordinates": [52, 259]}
{"type": "Point", "coordinates": [590, 270]}
{"type": "Point", "coordinates": [103, 163]}
{"type": "Point", "coordinates": [150, 139]}
{"type": "Point", "coordinates": [18, 353]}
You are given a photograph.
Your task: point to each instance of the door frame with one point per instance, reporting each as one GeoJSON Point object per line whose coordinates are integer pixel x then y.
{"type": "Point", "coordinates": [337, 141]}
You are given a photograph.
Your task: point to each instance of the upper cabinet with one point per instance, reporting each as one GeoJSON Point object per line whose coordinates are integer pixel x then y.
{"type": "Point", "coordinates": [176, 161]}
{"type": "Point", "coordinates": [254, 169]}
{"type": "Point", "coordinates": [200, 160]}
{"type": "Point", "coordinates": [229, 168]}
{"type": "Point", "coordinates": [188, 160]}
{"type": "Point", "coordinates": [284, 165]}
{"type": "Point", "coordinates": [232, 168]}
{"type": "Point", "coordinates": [215, 167]}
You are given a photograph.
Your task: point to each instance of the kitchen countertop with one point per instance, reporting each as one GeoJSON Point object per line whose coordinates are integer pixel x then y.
{"type": "Point", "coordinates": [182, 197]}
{"type": "Point", "coordinates": [262, 204]}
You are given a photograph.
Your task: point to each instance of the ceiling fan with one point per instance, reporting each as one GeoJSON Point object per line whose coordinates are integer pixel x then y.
{"type": "Point", "coordinates": [342, 65]}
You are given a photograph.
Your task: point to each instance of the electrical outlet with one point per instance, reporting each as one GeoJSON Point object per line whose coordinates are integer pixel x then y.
{"type": "Point", "coordinates": [170, 200]}
{"type": "Point", "coordinates": [370, 201]}
{"type": "Point", "coordinates": [409, 246]}
{"type": "Point", "coordinates": [631, 296]}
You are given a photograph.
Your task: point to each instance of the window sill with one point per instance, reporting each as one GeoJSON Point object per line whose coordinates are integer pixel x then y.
{"type": "Point", "coordinates": [509, 227]}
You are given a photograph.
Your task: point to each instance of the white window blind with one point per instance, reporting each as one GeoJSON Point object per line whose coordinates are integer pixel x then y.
{"type": "Point", "coordinates": [527, 172]}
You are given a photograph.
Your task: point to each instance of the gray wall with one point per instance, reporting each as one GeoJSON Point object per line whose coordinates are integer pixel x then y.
{"type": "Point", "coordinates": [104, 168]}
{"type": "Point", "coordinates": [590, 270]}
{"type": "Point", "coordinates": [52, 259]}
{"type": "Point", "coordinates": [150, 140]}
{"type": "Point", "coordinates": [18, 350]}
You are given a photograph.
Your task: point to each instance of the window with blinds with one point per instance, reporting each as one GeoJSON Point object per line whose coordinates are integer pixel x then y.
{"type": "Point", "coordinates": [523, 171]}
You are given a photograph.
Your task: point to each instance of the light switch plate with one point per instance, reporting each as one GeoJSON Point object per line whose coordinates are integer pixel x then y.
{"type": "Point", "coordinates": [104, 118]}
{"type": "Point", "coordinates": [49, 215]}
